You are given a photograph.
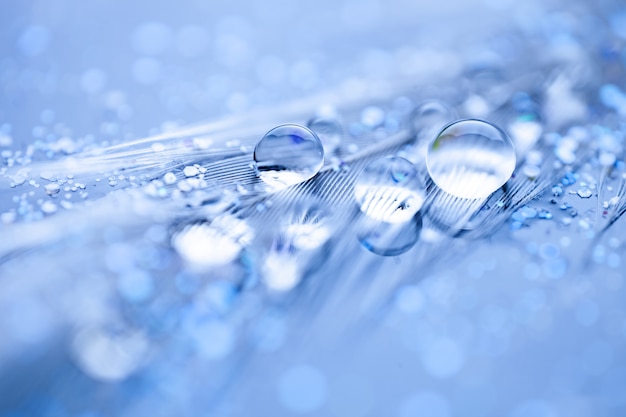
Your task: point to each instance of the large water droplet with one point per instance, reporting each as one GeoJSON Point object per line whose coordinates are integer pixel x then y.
{"type": "Point", "coordinates": [287, 155]}
{"type": "Point", "coordinates": [389, 190]}
{"type": "Point", "coordinates": [329, 130]}
{"type": "Point", "coordinates": [471, 159]}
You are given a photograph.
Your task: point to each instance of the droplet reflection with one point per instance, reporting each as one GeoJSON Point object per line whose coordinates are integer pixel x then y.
{"type": "Point", "coordinates": [287, 155]}
{"type": "Point", "coordinates": [471, 159]}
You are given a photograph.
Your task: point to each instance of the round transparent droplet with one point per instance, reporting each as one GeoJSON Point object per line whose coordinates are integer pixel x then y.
{"type": "Point", "coordinates": [389, 190]}
{"type": "Point", "coordinates": [287, 155]}
{"type": "Point", "coordinates": [329, 130]}
{"type": "Point", "coordinates": [471, 159]}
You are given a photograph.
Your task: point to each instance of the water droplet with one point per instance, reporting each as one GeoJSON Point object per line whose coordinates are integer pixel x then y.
{"type": "Point", "coordinates": [531, 171]}
{"type": "Point", "coordinates": [528, 212]}
{"type": "Point", "coordinates": [518, 217]}
{"type": "Point", "coordinates": [516, 225]}
{"type": "Point", "coordinates": [329, 130]}
{"type": "Point", "coordinates": [569, 179]}
{"type": "Point", "coordinates": [565, 150]}
{"type": "Point", "coordinates": [557, 191]}
{"type": "Point", "coordinates": [389, 190]}
{"type": "Point", "coordinates": [471, 159]}
{"type": "Point", "coordinates": [544, 214]}
{"type": "Point", "coordinates": [190, 171]}
{"type": "Point", "coordinates": [606, 159]}
{"type": "Point", "coordinates": [48, 207]}
{"type": "Point", "coordinates": [584, 192]}
{"type": "Point", "coordinates": [52, 189]}
{"type": "Point", "coordinates": [8, 217]}
{"type": "Point", "coordinates": [169, 178]}
{"type": "Point", "coordinates": [287, 155]}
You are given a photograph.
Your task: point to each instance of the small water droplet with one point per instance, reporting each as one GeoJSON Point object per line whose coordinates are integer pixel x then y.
{"type": "Point", "coordinates": [606, 159]}
{"type": "Point", "coordinates": [329, 130]}
{"type": "Point", "coordinates": [584, 192]}
{"type": "Point", "coordinates": [190, 171]}
{"type": "Point", "coordinates": [528, 212]}
{"type": "Point", "coordinates": [372, 116]}
{"type": "Point", "coordinates": [516, 225]}
{"type": "Point", "coordinates": [518, 217]}
{"type": "Point", "coordinates": [52, 189]}
{"type": "Point", "coordinates": [557, 191]}
{"type": "Point", "coordinates": [471, 159]}
{"type": "Point", "coordinates": [565, 150]}
{"type": "Point", "coordinates": [287, 155]}
{"type": "Point", "coordinates": [569, 179]}
{"type": "Point", "coordinates": [531, 171]}
{"type": "Point", "coordinates": [48, 207]}
{"type": "Point", "coordinates": [389, 190]}
{"type": "Point", "coordinates": [544, 214]}
{"type": "Point", "coordinates": [169, 178]}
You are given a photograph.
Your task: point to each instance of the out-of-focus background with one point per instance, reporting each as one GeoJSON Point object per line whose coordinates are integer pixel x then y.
{"type": "Point", "coordinates": [108, 309]}
{"type": "Point", "coordinates": [109, 69]}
